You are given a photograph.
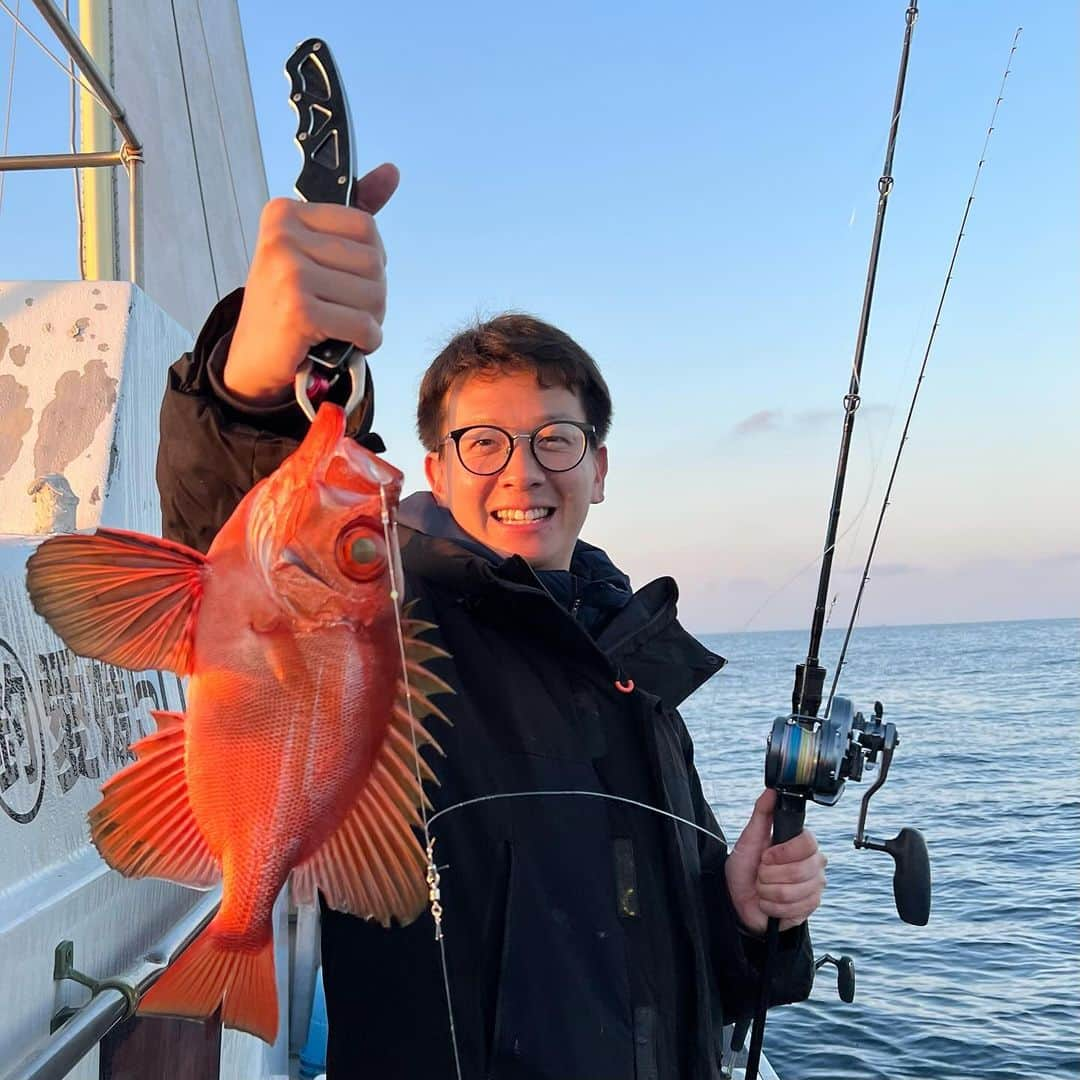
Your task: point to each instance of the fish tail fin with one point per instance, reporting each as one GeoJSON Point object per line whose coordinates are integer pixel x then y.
{"type": "Point", "coordinates": [215, 972]}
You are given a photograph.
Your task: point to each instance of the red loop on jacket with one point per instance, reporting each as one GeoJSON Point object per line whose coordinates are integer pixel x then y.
{"type": "Point", "coordinates": [318, 387]}
{"type": "Point", "coordinates": [625, 687]}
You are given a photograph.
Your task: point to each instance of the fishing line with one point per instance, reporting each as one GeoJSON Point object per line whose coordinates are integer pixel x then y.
{"type": "Point", "coordinates": [10, 89]}
{"type": "Point", "coordinates": [390, 536]}
{"type": "Point", "coordinates": [51, 55]}
{"type": "Point", "coordinates": [393, 546]}
{"type": "Point", "coordinates": [814, 561]}
{"type": "Point", "coordinates": [922, 372]}
{"type": "Point", "coordinates": [855, 523]}
{"type": "Point", "coordinates": [593, 795]}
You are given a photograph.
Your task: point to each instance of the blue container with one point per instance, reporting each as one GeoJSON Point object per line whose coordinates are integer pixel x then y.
{"type": "Point", "coordinates": [313, 1056]}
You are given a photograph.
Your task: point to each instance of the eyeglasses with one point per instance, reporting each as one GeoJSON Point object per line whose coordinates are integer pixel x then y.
{"type": "Point", "coordinates": [558, 446]}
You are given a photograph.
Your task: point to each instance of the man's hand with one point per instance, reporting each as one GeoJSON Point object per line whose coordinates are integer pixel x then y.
{"type": "Point", "coordinates": [785, 882]}
{"type": "Point", "coordinates": [319, 272]}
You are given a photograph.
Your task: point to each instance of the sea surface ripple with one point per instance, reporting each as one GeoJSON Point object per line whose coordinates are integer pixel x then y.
{"type": "Point", "coordinates": [988, 771]}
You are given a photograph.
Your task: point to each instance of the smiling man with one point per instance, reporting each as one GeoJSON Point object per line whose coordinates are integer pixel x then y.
{"type": "Point", "coordinates": [586, 938]}
{"type": "Point", "coordinates": [524, 489]}
{"type": "Point", "coordinates": [512, 454]}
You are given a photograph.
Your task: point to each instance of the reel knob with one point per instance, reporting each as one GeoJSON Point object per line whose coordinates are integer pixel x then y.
{"type": "Point", "coordinates": [845, 975]}
{"type": "Point", "coordinates": [911, 877]}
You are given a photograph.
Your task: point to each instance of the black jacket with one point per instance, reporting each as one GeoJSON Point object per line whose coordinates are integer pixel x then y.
{"type": "Point", "coordinates": [585, 939]}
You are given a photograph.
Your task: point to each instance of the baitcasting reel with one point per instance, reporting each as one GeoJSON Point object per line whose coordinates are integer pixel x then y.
{"type": "Point", "coordinates": [811, 758]}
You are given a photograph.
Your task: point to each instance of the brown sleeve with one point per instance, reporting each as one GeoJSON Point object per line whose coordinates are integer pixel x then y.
{"type": "Point", "coordinates": [213, 449]}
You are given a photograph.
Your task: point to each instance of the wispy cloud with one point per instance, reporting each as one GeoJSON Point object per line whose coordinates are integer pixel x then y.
{"type": "Point", "coordinates": [776, 420]}
{"type": "Point", "coordinates": [765, 420]}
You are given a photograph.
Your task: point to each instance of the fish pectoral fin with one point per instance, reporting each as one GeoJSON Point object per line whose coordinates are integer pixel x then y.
{"type": "Point", "coordinates": [212, 973]}
{"type": "Point", "coordinates": [128, 599]}
{"type": "Point", "coordinates": [144, 826]}
{"type": "Point", "coordinates": [283, 654]}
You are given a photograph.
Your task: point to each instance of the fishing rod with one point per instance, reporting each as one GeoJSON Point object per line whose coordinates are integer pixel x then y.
{"type": "Point", "coordinates": [807, 758]}
{"type": "Point", "coordinates": [922, 374]}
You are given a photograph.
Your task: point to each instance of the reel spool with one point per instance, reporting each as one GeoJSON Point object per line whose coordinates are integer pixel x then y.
{"type": "Point", "coordinates": [811, 758]}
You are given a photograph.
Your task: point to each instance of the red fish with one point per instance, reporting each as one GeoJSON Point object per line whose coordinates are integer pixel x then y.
{"type": "Point", "coordinates": [296, 754]}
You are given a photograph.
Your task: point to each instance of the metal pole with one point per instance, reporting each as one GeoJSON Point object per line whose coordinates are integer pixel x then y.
{"type": "Point", "coordinates": [67, 1046]}
{"type": "Point", "coordinates": [129, 155]}
{"type": "Point", "coordinates": [134, 165]}
{"type": "Point", "coordinates": [96, 160]}
{"type": "Point", "coordinates": [85, 63]}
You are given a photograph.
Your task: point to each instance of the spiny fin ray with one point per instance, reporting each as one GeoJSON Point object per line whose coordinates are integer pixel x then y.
{"type": "Point", "coordinates": [144, 826]}
{"type": "Point", "coordinates": [373, 865]}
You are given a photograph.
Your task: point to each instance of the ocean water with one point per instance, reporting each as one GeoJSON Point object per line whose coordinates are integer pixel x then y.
{"type": "Point", "coordinates": [989, 771]}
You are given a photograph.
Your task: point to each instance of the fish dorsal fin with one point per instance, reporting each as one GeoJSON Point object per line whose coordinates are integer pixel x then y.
{"type": "Point", "coordinates": [373, 865]}
{"type": "Point", "coordinates": [143, 825]}
{"type": "Point", "coordinates": [122, 597]}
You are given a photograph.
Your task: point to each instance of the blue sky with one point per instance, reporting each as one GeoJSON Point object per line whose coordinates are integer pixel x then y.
{"type": "Point", "coordinates": [690, 193]}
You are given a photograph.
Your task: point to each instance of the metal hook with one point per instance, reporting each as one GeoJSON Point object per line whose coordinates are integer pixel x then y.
{"type": "Point", "coordinates": [356, 365]}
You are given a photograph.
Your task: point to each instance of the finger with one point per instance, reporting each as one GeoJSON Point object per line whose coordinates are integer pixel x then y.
{"type": "Point", "coordinates": [794, 850]}
{"type": "Point", "coordinates": [363, 260]}
{"type": "Point", "coordinates": [373, 190]}
{"type": "Point", "coordinates": [346, 324]}
{"type": "Point", "coordinates": [789, 873]}
{"type": "Point", "coordinates": [758, 830]}
{"type": "Point", "coordinates": [787, 901]}
{"type": "Point", "coordinates": [329, 219]}
{"type": "Point", "coordinates": [339, 287]}
{"type": "Point", "coordinates": [787, 921]}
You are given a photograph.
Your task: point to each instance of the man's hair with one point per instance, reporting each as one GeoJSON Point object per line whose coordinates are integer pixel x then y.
{"type": "Point", "coordinates": [510, 343]}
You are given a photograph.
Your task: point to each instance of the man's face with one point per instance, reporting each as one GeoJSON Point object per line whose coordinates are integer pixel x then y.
{"type": "Point", "coordinates": [517, 403]}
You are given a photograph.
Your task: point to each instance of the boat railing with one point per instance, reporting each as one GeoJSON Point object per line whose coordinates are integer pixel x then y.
{"type": "Point", "coordinates": [114, 1000]}
{"type": "Point", "coordinates": [130, 153]}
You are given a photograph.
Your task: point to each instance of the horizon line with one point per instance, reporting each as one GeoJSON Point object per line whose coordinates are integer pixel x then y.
{"type": "Point", "coordinates": [893, 626]}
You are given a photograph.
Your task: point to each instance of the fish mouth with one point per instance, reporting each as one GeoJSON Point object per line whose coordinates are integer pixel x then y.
{"type": "Point", "coordinates": [292, 558]}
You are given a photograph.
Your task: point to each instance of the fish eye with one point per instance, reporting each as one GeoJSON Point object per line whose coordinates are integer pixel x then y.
{"type": "Point", "coordinates": [360, 553]}
{"type": "Point", "coordinates": [363, 550]}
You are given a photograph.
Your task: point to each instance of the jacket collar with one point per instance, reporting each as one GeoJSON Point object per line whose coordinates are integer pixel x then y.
{"type": "Point", "coordinates": [643, 640]}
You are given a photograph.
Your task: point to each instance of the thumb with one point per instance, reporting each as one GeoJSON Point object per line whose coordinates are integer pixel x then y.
{"type": "Point", "coordinates": [757, 834]}
{"type": "Point", "coordinates": [373, 190]}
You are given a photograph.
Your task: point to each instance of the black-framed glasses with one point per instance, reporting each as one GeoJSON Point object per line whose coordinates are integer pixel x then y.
{"type": "Point", "coordinates": [558, 446]}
